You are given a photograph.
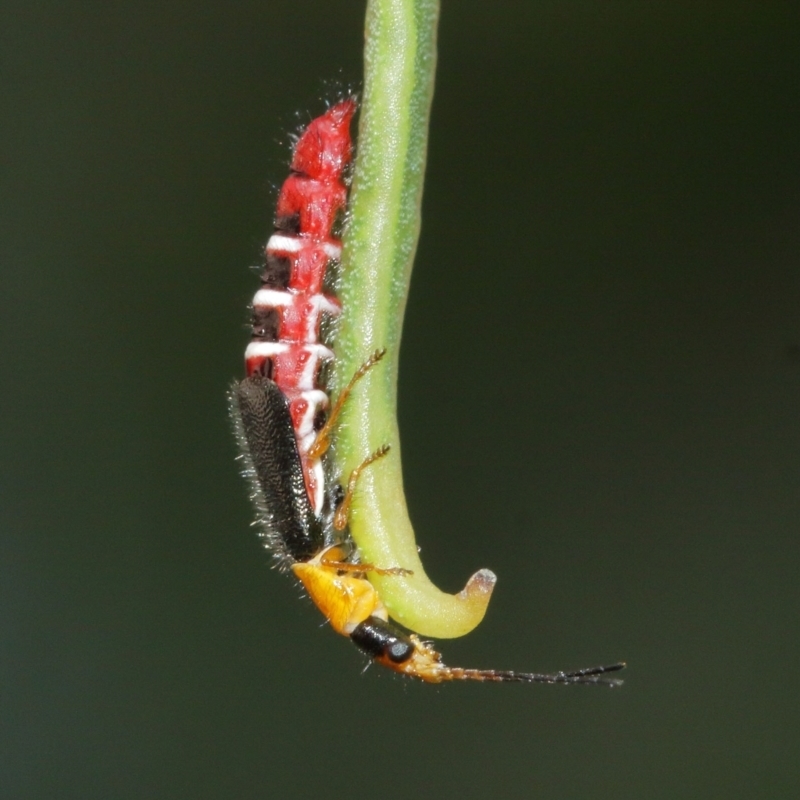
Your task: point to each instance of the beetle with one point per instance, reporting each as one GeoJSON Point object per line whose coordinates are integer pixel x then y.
{"type": "Point", "coordinates": [283, 419]}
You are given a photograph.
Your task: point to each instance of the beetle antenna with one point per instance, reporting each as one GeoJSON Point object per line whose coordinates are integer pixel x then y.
{"type": "Point", "coordinates": [590, 675]}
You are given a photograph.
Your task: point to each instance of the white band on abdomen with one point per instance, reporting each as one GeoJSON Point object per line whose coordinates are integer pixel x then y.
{"type": "Point", "coordinates": [280, 243]}
{"type": "Point", "coordinates": [265, 349]}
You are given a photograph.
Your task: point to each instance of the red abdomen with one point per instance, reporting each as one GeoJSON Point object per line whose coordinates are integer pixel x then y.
{"type": "Point", "coordinates": [289, 306]}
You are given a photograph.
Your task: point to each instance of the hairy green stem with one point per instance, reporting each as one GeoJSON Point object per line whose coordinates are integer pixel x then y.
{"type": "Point", "coordinates": [379, 247]}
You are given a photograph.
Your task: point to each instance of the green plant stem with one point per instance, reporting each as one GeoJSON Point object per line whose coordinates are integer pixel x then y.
{"type": "Point", "coordinates": [379, 247]}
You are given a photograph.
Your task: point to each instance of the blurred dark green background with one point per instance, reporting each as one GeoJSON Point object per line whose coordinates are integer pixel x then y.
{"type": "Point", "coordinates": [600, 400]}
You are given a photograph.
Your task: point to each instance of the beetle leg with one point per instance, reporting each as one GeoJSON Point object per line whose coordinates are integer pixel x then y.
{"type": "Point", "coordinates": [323, 440]}
{"type": "Point", "coordinates": [343, 512]}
